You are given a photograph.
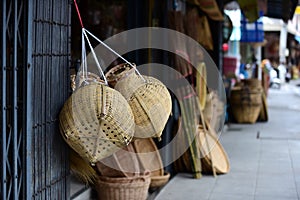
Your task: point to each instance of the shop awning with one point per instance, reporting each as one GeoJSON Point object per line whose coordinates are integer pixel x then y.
{"type": "Point", "coordinates": [273, 24]}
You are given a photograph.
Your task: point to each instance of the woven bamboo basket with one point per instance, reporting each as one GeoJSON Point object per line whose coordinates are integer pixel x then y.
{"type": "Point", "coordinates": [149, 100]}
{"type": "Point", "coordinates": [212, 152]}
{"type": "Point", "coordinates": [123, 188]}
{"type": "Point", "coordinates": [252, 83]}
{"type": "Point", "coordinates": [245, 104]}
{"type": "Point", "coordinates": [96, 121]}
{"type": "Point", "coordinates": [150, 160]}
{"type": "Point", "coordinates": [123, 163]}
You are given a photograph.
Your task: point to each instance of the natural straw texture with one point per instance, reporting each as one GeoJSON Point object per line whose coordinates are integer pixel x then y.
{"type": "Point", "coordinates": [212, 150]}
{"type": "Point", "coordinates": [201, 84]}
{"type": "Point", "coordinates": [123, 163]}
{"type": "Point", "coordinates": [148, 155]}
{"type": "Point", "coordinates": [96, 121]}
{"type": "Point", "coordinates": [245, 104]}
{"type": "Point", "coordinates": [149, 99]}
{"type": "Point", "coordinates": [124, 188]}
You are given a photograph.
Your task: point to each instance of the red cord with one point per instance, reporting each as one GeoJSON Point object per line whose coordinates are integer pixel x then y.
{"type": "Point", "coordinates": [79, 16]}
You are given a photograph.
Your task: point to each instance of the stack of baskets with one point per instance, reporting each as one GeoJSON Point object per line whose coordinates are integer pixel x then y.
{"type": "Point", "coordinates": [121, 177]}
{"type": "Point", "coordinates": [246, 101]}
{"type": "Point", "coordinates": [130, 172]}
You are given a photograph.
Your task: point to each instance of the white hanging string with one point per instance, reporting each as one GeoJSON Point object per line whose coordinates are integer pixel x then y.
{"type": "Point", "coordinates": [83, 57]}
{"type": "Point", "coordinates": [105, 45]}
{"type": "Point", "coordinates": [94, 55]}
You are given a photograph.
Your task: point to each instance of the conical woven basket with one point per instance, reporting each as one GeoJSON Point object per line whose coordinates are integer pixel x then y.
{"type": "Point", "coordinates": [149, 100]}
{"type": "Point", "coordinates": [96, 121]}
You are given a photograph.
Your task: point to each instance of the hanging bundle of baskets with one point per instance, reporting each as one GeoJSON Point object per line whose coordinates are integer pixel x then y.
{"type": "Point", "coordinates": [96, 121]}
{"type": "Point", "coordinates": [148, 98]}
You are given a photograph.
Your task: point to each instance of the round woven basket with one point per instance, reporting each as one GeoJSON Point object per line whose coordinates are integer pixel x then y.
{"type": "Point", "coordinates": [96, 121]}
{"type": "Point", "coordinates": [117, 72]}
{"type": "Point", "coordinates": [252, 83]}
{"type": "Point", "coordinates": [124, 188]}
{"type": "Point", "coordinates": [150, 160]}
{"type": "Point", "coordinates": [148, 155]}
{"type": "Point", "coordinates": [123, 163]}
{"type": "Point", "coordinates": [212, 152]}
{"type": "Point", "coordinates": [149, 100]}
{"type": "Point", "coordinates": [245, 104]}
{"type": "Point", "coordinates": [159, 181]}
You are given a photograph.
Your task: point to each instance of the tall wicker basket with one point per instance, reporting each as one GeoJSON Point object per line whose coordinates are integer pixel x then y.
{"type": "Point", "coordinates": [148, 98]}
{"type": "Point", "coordinates": [245, 104]}
{"type": "Point", "coordinates": [96, 121]}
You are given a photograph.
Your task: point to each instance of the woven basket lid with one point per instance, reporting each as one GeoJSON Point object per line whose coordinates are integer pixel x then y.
{"type": "Point", "coordinates": [148, 156]}
{"type": "Point", "coordinates": [96, 121]}
{"type": "Point", "coordinates": [212, 150]}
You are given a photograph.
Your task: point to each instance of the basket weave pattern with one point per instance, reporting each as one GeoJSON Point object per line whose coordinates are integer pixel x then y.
{"type": "Point", "coordinates": [150, 102]}
{"type": "Point", "coordinates": [246, 105]}
{"type": "Point", "coordinates": [96, 121]}
{"type": "Point", "coordinates": [124, 188]}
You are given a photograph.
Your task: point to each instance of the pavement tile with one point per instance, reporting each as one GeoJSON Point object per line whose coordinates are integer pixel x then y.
{"type": "Point", "coordinates": [276, 180]}
{"type": "Point", "coordinates": [267, 197]}
{"type": "Point", "coordinates": [236, 187]}
{"type": "Point", "coordinates": [277, 192]}
{"type": "Point", "coordinates": [220, 196]}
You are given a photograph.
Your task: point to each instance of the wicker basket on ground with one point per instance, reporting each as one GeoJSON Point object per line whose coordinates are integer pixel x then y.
{"type": "Point", "coordinates": [123, 188]}
{"type": "Point", "coordinates": [148, 98]}
{"type": "Point", "coordinates": [212, 152]}
{"type": "Point", "coordinates": [96, 121]}
{"type": "Point", "coordinates": [245, 104]}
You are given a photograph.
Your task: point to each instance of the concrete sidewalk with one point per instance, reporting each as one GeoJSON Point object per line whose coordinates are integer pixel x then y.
{"type": "Point", "coordinates": [264, 158]}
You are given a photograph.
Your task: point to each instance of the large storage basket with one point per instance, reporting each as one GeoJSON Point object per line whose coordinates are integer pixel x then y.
{"type": "Point", "coordinates": [149, 100]}
{"type": "Point", "coordinates": [245, 104]}
{"type": "Point", "coordinates": [124, 188]}
{"type": "Point", "coordinates": [96, 121]}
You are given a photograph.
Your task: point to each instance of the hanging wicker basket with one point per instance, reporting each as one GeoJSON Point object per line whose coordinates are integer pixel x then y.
{"type": "Point", "coordinates": [123, 188]}
{"type": "Point", "coordinates": [148, 98]}
{"type": "Point", "coordinates": [96, 121]}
